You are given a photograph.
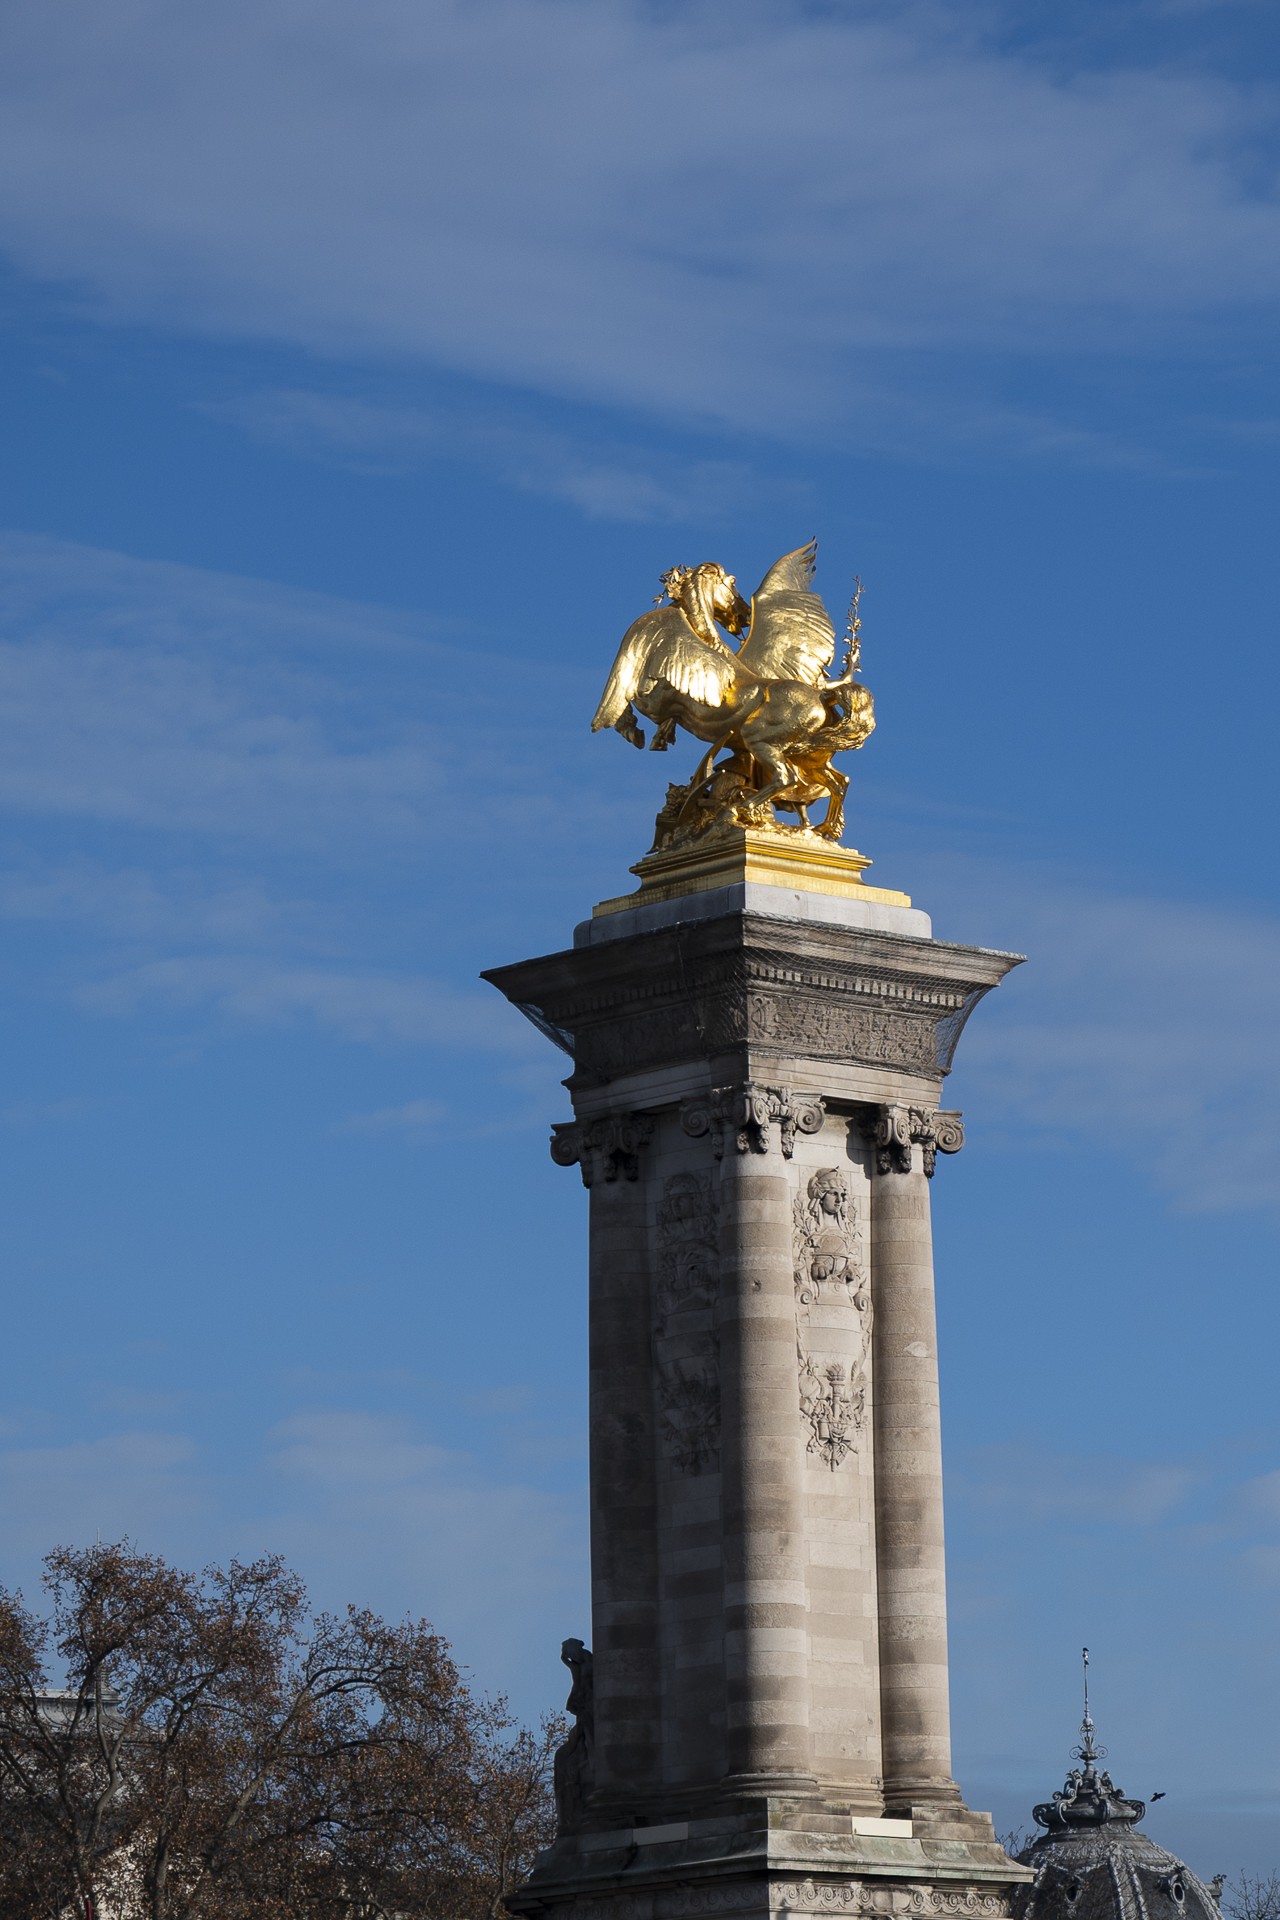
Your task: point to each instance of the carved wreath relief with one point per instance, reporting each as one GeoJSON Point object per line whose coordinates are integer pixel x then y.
{"type": "Point", "coordinates": [830, 1276]}
{"type": "Point", "coordinates": [685, 1344]}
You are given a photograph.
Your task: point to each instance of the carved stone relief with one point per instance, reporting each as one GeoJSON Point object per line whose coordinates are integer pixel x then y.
{"type": "Point", "coordinates": [831, 1282]}
{"type": "Point", "coordinates": [602, 1148]}
{"type": "Point", "coordinates": [892, 1131]}
{"type": "Point", "coordinates": [686, 1349]}
{"type": "Point", "coordinates": [741, 1116]}
{"type": "Point", "coordinates": [854, 1897]}
{"type": "Point", "coordinates": [833, 1408]}
{"type": "Point", "coordinates": [887, 1899]}
{"type": "Point", "coordinates": [687, 1237]}
{"type": "Point", "coordinates": [689, 1399]}
{"type": "Point", "coordinates": [829, 1262]}
{"type": "Point", "coordinates": [828, 1030]}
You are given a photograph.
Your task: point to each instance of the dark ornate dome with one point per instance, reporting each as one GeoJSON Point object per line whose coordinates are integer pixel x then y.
{"type": "Point", "coordinates": [1092, 1863]}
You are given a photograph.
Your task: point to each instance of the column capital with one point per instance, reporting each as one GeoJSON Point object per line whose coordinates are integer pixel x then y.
{"type": "Point", "coordinates": [602, 1148]}
{"type": "Point", "coordinates": [893, 1130]}
{"type": "Point", "coordinates": [741, 1115]}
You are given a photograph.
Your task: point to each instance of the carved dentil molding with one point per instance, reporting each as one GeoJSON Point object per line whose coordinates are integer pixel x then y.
{"type": "Point", "coordinates": [893, 1130]}
{"type": "Point", "coordinates": [741, 1115]}
{"type": "Point", "coordinates": [602, 1148]}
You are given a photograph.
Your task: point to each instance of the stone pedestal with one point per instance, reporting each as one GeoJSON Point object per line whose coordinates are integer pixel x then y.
{"type": "Point", "coordinates": [756, 1085]}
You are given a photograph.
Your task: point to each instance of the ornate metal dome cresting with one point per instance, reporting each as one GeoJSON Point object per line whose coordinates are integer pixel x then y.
{"type": "Point", "coordinates": [1092, 1863]}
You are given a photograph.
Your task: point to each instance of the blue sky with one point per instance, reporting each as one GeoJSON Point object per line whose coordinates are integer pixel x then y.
{"type": "Point", "coordinates": [363, 368]}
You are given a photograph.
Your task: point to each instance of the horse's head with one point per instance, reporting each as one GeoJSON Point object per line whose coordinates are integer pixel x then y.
{"type": "Point", "coordinates": [708, 594]}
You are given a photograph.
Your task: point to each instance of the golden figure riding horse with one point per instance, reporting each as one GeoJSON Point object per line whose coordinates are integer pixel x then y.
{"type": "Point", "coordinates": [768, 702]}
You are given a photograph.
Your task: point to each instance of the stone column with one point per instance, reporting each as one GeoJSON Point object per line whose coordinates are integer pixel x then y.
{"type": "Point", "coordinates": [766, 1592]}
{"type": "Point", "coordinates": [762, 1447]}
{"type": "Point", "coordinates": [911, 1571]}
{"type": "Point", "coordinates": [736, 1510]}
{"type": "Point", "coordinates": [627, 1727]}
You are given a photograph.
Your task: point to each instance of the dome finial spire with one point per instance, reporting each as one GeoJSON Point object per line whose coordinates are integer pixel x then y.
{"type": "Point", "coordinates": [1093, 1862]}
{"type": "Point", "coordinates": [1089, 1797]}
{"type": "Point", "coordinates": [1087, 1749]}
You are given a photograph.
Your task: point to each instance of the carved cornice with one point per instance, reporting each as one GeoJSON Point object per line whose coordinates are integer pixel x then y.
{"type": "Point", "coordinates": [741, 1115]}
{"type": "Point", "coordinates": [754, 983]}
{"type": "Point", "coordinates": [602, 1148]}
{"type": "Point", "coordinates": [892, 1131]}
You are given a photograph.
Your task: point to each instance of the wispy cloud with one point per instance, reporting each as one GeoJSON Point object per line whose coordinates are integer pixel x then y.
{"type": "Point", "coordinates": [1147, 1023]}
{"type": "Point", "coordinates": [178, 699]}
{"type": "Point", "coordinates": [143, 699]}
{"type": "Point", "coordinates": [367, 1506]}
{"type": "Point", "coordinates": [166, 726]}
{"type": "Point", "coordinates": [413, 1117]}
{"type": "Point", "coordinates": [1100, 1490]}
{"type": "Point", "coordinates": [604, 481]}
{"type": "Point", "coordinates": [361, 1488]}
{"type": "Point", "coordinates": [241, 772]}
{"type": "Point", "coordinates": [376, 1008]}
{"type": "Point", "coordinates": [1052, 1547]}
{"type": "Point", "coordinates": [116, 1484]}
{"type": "Point", "coordinates": [744, 212]}
{"type": "Point", "coordinates": [134, 905]}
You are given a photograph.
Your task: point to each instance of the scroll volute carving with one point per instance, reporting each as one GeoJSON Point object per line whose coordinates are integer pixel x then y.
{"type": "Point", "coordinates": [606, 1149]}
{"type": "Point", "coordinates": [740, 1117]}
{"type": "Point", "coordinates": [892, 1131]}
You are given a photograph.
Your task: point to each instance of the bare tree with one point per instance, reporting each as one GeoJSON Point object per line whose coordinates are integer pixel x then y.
{"type": "Point", "coordinates": [215, 1751]}
{"type": "Point", "coordinates": [516, 1815]}
{"type": "Point", "coordinates": [1247, 1898]}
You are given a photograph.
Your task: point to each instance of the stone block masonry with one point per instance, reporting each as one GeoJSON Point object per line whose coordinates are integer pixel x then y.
{"type": "Point", "coordinates": [756, 1095]}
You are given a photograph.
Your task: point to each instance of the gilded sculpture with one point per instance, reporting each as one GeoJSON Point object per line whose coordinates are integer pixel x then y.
{"type": "Point", "coordinates": [767, 705]}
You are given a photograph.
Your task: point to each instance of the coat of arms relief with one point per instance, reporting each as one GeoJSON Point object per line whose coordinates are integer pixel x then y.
{"type": "Point", "coordinates": [833, 1314]}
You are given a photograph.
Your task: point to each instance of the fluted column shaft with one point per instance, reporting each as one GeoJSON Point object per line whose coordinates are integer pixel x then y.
{"type": "Point", "coordinates": [915, 1706]}
{"type": "Point", "coordinates": [624, 1566]}
{"type": "Point", "coordinates": [766, 1631]}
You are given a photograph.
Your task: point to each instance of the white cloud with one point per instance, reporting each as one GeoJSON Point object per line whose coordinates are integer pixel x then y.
{"type": "Point", "coordinates": [176, 699]}
{"type": "Point", "coordinates": [122, 1483]}
{"type": "Point", "coordinates": [740, 211]}
{"type": "Point", "coordinates": [1147, 1024]}
{"type": "Point", "coordinates": [605, 482]}
{"type": "Point", "coordinates": [366, 1507]}
{"type": "Point", "coordinates": [380, 1009]}
{"type": "Point", "coordinates": [1262, 1496]}
{"type": "Point", "coordinates": [134, 905]}
{"type": "Point", "coordinates": [498, 1563]}
{"type": "Point", "coordinates": [282, 730]}
{"type": "Point", "coordinates": [414, 1116]}
{"type": "Point", "coordinates": [1036, 1485]}
{"type": "Point", "coordinates": [168, 731]}
{"type": "Point", "coordinates": [253, 769]}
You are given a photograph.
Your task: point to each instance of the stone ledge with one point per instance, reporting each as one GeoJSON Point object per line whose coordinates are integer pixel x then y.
{"type": "Point", "coordinates": [777, 903]}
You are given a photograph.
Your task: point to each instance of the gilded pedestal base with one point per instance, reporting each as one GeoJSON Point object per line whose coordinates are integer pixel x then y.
{"type": "Point", "coordinates": [777, 857]}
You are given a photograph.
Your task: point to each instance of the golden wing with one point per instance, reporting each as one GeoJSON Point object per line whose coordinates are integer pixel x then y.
{"type": "Point", "coordinates": [791, 636]}
{"type": "Point", "coordinates": [661, 645]}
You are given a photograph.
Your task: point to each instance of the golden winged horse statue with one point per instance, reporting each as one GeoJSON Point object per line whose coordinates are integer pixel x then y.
{"type": "Point", "coordinates": [768, 703]}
